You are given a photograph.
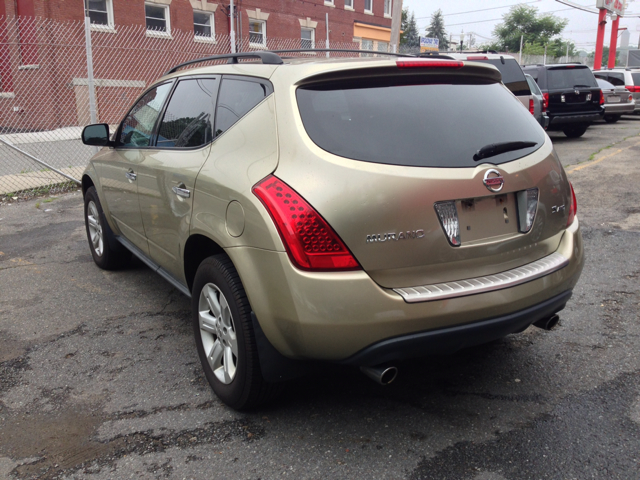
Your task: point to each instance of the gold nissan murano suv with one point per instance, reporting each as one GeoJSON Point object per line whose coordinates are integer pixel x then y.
{"type": "Point", "coordinates": [359, 211]}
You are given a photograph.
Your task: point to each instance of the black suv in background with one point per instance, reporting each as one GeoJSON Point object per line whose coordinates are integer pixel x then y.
{"type": "Point", "coordinates": [573, 96]}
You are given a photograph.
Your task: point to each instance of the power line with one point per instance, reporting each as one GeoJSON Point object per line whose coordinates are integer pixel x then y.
{"type": "Point", "coordinates": [484, 9]}
{"type": "Point", "coordinates": [494, 19]}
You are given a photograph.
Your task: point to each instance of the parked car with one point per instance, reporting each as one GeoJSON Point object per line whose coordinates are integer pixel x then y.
{"type": "Point", "coordinates": [336, 210]}
{"type": "Point", "coordinates": [574, 99]}
{"type": "Point", "coordinates": [618, 101]}
{"type": "Point", "coordinates": [538, 106]}
{"type": "Point", "coordinates": [623, 77]}
{"type": "Point", "coordinates": [512, 75]}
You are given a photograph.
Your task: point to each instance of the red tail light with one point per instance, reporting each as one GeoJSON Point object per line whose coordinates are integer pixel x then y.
{"type": "Point", "coordinates": [633, 88]}
{"type": "Point", "coordinates": [601, 97]}
{"type": "Point", "coordinates": [573, 208]}
{"type": "Point", "coordinates": [426, 63]}
{"type": "Point", "coordinates": [532, 109]}
{"type": "Point", "coordinates": [545, 102]}
{"type": "Point", "coordinates": [630, 98]}
{"type": "Point", "coordinates": [310, 242]}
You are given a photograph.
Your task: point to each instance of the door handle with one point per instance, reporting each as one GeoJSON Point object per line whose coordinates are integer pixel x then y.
{"type": "Point", "coordinates": [130, 175]}
{"type": "Point", "coordinates": [181, 191]}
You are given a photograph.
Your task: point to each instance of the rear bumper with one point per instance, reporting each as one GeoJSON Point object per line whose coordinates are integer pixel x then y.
{"type": "Point", "coordinates": [452, 339]}
{"type": "Point", "coordinates": [334, 316]}
{"type": "Point", "coordinates": [619, 108]}
{"type": "Point", "coordinates": [568, 119]}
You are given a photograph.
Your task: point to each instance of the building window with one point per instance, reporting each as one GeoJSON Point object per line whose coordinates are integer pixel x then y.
{"type": "Point", "coordinates": [387, 8]}
{"type": "Point", "coordinates": [203, 25]}
{"type": "Point", "coordinates": [100, 12]}
{"type": "Point", "coordinates": [348, 4]}
{"type": "Point", "coordinates": [258, 33]}
{"type": "Point", "coordinates": [157, 17]}
{"type": "Point", "coordinates": [328, 2]}
{"type": "Point", "coordinates": [366, 45]}
{"type": "Point", "coordinates": [383, 47]}
{"type": "Point", "coordinates": [367, 6]}
{"type": "Point", "coordinates": [307, 38]}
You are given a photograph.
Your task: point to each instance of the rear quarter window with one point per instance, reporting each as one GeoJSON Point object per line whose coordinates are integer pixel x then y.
{"type": "Point", "coordinates": [435, 124]}
{"type": "Point", "coordinates": [636, 78]}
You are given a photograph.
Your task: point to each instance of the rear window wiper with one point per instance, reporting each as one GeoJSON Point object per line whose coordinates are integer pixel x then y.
{"type": "Point", "coordinates": [494, 149]}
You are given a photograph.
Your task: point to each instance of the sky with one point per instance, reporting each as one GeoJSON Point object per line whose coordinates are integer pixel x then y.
{"type": "Point", "coordinates": [480, 17]}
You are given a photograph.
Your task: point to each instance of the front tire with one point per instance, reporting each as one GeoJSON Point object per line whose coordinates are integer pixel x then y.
{"type": "Point", "coordinates": [224, 336]}
{"type": "Point", "coordinates": [575, 131]}
{"type": "Point", "coordinates": [106, 251]}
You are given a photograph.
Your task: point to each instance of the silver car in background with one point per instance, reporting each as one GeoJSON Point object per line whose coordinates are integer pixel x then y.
{"type": "Point", "coordinates": [618, 101]}
{"type": "Point", "coordinates": [539, 103]}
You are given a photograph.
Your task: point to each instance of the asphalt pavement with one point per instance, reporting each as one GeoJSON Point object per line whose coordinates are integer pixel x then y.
{"type": "Point", "coordinates": [99, 377]}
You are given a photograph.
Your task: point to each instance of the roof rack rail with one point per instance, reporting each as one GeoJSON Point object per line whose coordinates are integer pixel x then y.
{"type": "Point", "coordinates": [267, 57]}
{"type": "Point", "coordinates": [339, 50]}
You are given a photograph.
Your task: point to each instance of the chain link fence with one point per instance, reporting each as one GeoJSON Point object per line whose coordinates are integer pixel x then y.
{"type": "Point", "coordinates": [54, 81]}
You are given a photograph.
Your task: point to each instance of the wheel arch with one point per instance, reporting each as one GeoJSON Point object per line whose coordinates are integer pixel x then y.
{"type": "Point", "coordinates": [87, 183]}
{"type": "Point", "coordinates": [196, 249]}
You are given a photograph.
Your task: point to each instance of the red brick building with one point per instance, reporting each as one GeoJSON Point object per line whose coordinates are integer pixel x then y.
{"type": "Point", "coordinates": [43, 66]}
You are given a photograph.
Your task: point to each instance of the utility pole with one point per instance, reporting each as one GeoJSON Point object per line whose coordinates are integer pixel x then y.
{"type": "Point", "coordinates": [520, 57]}
{"type": "Point", "coordinates": [567, 51]}
{"type": "Point", "coordinates": [544, 59]}
{"type": "Point", "coordinates": [461, 39]}
{"type": "Point", "coordinates": [232, 32]}
{"type": "Point", "coordinates": [396, 20]}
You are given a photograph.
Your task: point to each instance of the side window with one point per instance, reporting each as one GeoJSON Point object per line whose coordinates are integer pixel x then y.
{"type": "Point", "coordinates": [616, 78]}
{"type": "Point", "coordinates": [601, 76]}
{"type": "Point", "coordinates": [138, 125]}
{"type": "Point", "coordinates": [187, 120]}
{"type": "Point", "coordinates": [236, 98]}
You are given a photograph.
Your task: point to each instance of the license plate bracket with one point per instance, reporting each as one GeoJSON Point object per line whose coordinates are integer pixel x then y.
{"type": "Point", "coordinates": [486, 217]}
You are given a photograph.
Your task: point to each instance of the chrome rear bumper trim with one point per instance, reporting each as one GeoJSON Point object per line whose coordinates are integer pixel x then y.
{"type": "Point", "coordinates": [489, 283]}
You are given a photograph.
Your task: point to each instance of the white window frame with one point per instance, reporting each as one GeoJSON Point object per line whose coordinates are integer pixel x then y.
{"type": "Point", "coordinates": [313, 36]}
{"type": "Point", "coordinates": [348, 5]}
{"type": "Point", "coordinates": [167, 19]}
{"type": "Point", "coordinates": [387, 11]}
{"type": "Point", "coordinates": [212, 22]}
{"type": "Point", "coordinates": [264, 33]}
{"type": "Point", "coordinates": [370, 10]}
{"type": "Point", "coordinates": [109, 27]}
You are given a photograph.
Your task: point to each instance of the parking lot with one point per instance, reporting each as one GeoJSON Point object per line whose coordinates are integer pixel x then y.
{"type": "Point", "coordinates": [99, 377]}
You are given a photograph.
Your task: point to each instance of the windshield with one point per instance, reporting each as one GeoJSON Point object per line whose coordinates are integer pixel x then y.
{"type": "Point", "coordinates": [604, 84]}
{"type": "Point", "coordinates": [425, 125]}
{"type": "Point", "coordinates": [570, 77]}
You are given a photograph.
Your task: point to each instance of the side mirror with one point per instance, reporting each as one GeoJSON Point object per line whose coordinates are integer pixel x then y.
{"type": "Point", "coordinates": [97, 135]}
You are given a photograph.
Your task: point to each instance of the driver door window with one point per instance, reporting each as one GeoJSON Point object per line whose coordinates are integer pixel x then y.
{"type": "Point", "coordinates": [137, 127]}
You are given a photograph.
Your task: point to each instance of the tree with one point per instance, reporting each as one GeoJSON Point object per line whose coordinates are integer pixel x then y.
{"type": "Point", "coordinates": [436, 30]}
{"type": "Point", "coordinates": [536, 30]}
{"type": "Point", "coordinates": [409, 38]}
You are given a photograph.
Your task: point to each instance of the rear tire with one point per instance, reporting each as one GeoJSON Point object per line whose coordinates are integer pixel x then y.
{"type": "Point", "coordinates": [107, 252]}
{"type": "Point", "coordinates": [612, 118]}
{"type": "Point", "coordinates": [575, 131]}
{"type": "Point", "coordinates": [225, 340]}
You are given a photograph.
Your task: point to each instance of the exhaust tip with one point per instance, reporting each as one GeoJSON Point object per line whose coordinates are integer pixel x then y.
{"type": "Point", "coordinates": [548, 323]}
{"type": "Point", "coordinates": [382, 375]}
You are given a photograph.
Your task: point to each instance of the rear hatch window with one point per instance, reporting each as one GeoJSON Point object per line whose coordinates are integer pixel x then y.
{"type": "Point", "coordinates": [433, 121]}
{"type": "Point", "coordinates": [512, 75]}
{"type": "Point", "coordinates": [570, 77]}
